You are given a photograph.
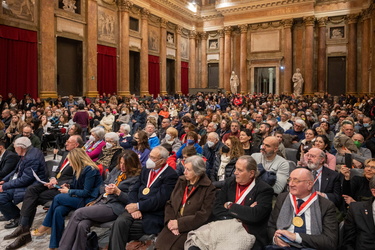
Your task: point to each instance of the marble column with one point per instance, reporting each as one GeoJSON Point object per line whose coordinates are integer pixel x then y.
{"type": "Point", "coordinates": [123, 87]}
{"type": "Point", "coordinates": [92, 49]}
{"type": "Point", "coordinates": [322, 62]}
{"type": "Point", "coordinates": [192, 59]}
{"type": "Point", "coordinates": [227, 57]}
{"type": "Point", "coordinates": [144, 53]}
{"type": "Point", "coordinates": [288, 55]}
{"type": "Point", "coordinates": [352, 54]}
{"type": "Point", "coordinates": [221, 59]}
{"type": "Point", "coordinates": [163, 56]}
{"type": "Point", "coordinates": [365, 53]}
{"type": "Point", "coordinates": [309, 55]}
{"type": "Point", "coordinates": [243, 60]}
{"type": "Point", "coordinates": [47, 51]}
{"type": "Point", "coordinates": [178, 59]}
{"type": "Point", "coordinates": [204, 60]}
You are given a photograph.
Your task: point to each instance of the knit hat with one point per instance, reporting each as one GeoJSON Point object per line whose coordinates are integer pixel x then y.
{"type": "Point", "coordinates": [22, 142]}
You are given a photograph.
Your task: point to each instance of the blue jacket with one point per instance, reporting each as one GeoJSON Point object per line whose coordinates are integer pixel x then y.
{"type": "Point", "coordinates": [33, 160]}
{"type": "Point", "coordinates": [153, 141]}
{"type": "Point", "coordinates": [152, 204]}
{"type": "Point", "coordinates": [126, 142]}
{"type": "Point", "coordinates": [87, 186]}
{"type": "Point", "coordinates": [143, 156]}
{"type": "Point", "coordinates": [196, 146]}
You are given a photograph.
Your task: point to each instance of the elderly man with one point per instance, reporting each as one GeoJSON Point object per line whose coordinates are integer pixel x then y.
{"type": "Point", "coordinates": [245, 198]}
{"type": "Point", "coordinates": [276, 168]}
{"type": "Point", "coordinates": [13, 186]}
{"type": "Point", "coordinates": [298, 129]}
{"type": "Point", "coordinates": [165, 124]}
{"type": "Point", "coordinates": [212, 146]}
{"type": "Point", "coordinates": [40, 194]}
{"type": "Point", "coordinates": [146, 201]}
{"type": "Point", "coordinates": [359, 224]}
{"type": "Point", "coordinates": [326, 181]}
{"type": "Point", "coordinates": [302, 217]}
{"type": "Point", "coordinates": [8, 161]}
{"type": "Point", "coordinates": [359, 157]}
{"type": "Point", "coordinates": [27, 132]}
{"type": "Point", "coordinates": [153, 140]}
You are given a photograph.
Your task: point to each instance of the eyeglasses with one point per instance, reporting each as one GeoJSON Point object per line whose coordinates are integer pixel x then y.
{"type": "Point", "coordinates": [311, 156]}
{"type": "Point", "coordinates": [372, 167]}
{"type": "Point", "coordinates": [295, 180]}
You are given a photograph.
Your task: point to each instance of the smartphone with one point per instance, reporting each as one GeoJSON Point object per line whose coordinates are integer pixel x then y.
{"type": "Point", "coordinates": [290, 242]}
{"type": "Point", "coordinates": [56, 186]}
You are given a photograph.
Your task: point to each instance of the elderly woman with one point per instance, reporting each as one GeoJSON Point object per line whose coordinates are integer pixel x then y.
{"type": "Point", "coordinates": [171, 137]}
{"type": "Point", "coordinates": [190, 205]}
{"type": "Point", "coordinates": [141, 146]}
{"type": "Point", "coordinates": [110, 204]}
{"type": "Point", "coordinates": [125, 137]}
{"type": "Point", "coordinates": [84, 189]}
{"type": "Point", "coordinates": [357, 188]}
{"type": "Point", "coordinates": [95, 143]}
{"type": "Point", "coordinates": [108, 158]}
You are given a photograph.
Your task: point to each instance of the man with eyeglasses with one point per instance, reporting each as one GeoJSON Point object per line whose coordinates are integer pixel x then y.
{"type": "Point", "coordinates": [301, 218]}
{"type": "Point", "coordinates": [27, 132]}
{"type": "Point", "coordinates": [298, 129]}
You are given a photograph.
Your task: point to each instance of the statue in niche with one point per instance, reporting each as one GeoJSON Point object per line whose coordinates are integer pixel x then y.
{"type": "Point", "coordinates": [170, 38]}
{"type": "Point", "coordinates": [214, 44]}
{"type": "Point", "coordinates": [234, 82]}
{"type": "Point", "coordinates": [298, 81]}
{"type": "Point", "coordinates": [337, 33]}
{"type": "Point", "coordinates": [70, 5]}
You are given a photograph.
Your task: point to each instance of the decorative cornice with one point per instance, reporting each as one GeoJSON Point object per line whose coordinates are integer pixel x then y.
{"type": "Point", "coordinates": [322, 22]}
{"type": "Point", "coordinates": [309, 20]}
{"type": "Point", "coordinates": [124, 5]}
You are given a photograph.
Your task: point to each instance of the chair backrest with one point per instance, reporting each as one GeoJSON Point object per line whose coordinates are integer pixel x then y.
{"type": "Point", "coordinates": [291, 154]}
{"type": "Point", "coordinates": [292, 166]}
{"type": "Point", "coordinates": [356, 172]}
{"type": "Point", "coordinates": [51, 165]}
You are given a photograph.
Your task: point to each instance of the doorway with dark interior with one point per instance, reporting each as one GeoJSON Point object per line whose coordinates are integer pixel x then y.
{"type": "Point", "coordinates": [336, 75]}
{"type": "Point", "coordinates": [134, 73]}
{"type": "Point", "coordinates": [69, 67]}
{"type": "Point", "coordinates": [171, 79]}
{"type": "Point", "coordinates": [213, 75]}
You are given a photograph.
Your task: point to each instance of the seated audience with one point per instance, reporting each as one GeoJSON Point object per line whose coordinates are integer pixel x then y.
{"type": "Point", "coordinates": [125, 137]}
{"type": "Point", "coordinates": [146, 201]}
{"type": "Point", "coordinates": [108, 157]}
{"type": "Point", "coordinates": [96, 142]}
{"type": "Point", "coordinates": [8, 161]}
{"type": "Point", "coordinates": [171, 137]}
{"type": "Point", "coordinates": [110, 204]}
{"type": "Point", "coordinates": [141, 146]}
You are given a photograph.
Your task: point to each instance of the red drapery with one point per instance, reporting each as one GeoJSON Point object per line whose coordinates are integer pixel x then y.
{"type": "Point", "coordinates": [184, 78]}
{"type": "Point", "coordinates": [18, 62]}
{"type": "Point", "coordinates": [107, 69]}
{"type": "Point", "coordinates": [153, 75]}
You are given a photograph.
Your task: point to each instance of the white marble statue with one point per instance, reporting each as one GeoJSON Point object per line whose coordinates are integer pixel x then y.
{"type": "Point", "coordinates": [298, 82]}
{"type": "Point", "coordinates": [234, 82]}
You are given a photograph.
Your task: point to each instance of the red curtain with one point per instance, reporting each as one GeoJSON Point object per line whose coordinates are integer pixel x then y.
{"type": "Point", "coordinates": [18, 62]}
{"type": "Point", "coordinates": [107, 69]}
{"type": "Point", "coordinates": [153, 75]}
{"type": "Point", "coordinates": [184, 78]}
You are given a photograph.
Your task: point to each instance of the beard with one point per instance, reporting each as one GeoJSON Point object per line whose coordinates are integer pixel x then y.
{"type": "Point", "coordinates": [313, 166]}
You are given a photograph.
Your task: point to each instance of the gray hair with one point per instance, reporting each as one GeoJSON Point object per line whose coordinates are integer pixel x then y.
{"type": "Point", "coordinates": [251, 164]}
{"type": "Point", "coordinates": [300, 122]}
{"type": "Point", "coordinates": [126, 127]}
{"type": "Point", "coordinates": [214, 134]}
{"type": "Point", "coordinates": [163, 152]}
{"type": "Point", "coordinates": [22, 142]}
{"type": "Point", "coordinates": [214, 125]}
{"type": "Point", "coordinates": [198, 164]}
{"type": "Point", "coordinates": [99, 131]}
{"type": "Point", "coordinates": [112, 135]}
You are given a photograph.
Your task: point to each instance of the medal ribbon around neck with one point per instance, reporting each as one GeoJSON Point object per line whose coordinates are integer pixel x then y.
{"type": "Point", "coordinates": [186, 195]}
{"type": "Point", "coordinates": [240, 196]}
{"type": "Point", "coordinates": [305, 205]}
{"type": "Point", "coordinates": [149, 181]}
{"type": "Point", "coordinates": [317, 176]}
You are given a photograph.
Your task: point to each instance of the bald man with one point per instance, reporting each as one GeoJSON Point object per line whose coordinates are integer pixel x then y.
{"type": "Point", "coordinates": [276, 168]}
{"type": "Point", "coordinates": [302, 216]}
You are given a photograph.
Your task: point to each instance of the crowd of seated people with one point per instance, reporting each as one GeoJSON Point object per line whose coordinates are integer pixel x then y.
{"type": "Point", "coordinates": [269, 171]}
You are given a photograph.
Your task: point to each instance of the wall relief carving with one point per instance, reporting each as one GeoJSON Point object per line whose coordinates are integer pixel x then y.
{"type": "Point", "coordinates": [106, 25]}
{"type": "Point", "coordinates": [20, 9]}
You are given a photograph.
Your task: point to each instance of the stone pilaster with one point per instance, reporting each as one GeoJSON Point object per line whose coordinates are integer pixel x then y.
{"type": "Point", "coordinates": [288, 56]}
{"type": "Point", "coordinates": [243, 60]}
{"type": "Point", "coordinates": [47, 51]}
{"type": "Point", "coordinates": [227, 57]}
{"type": "Point", "coordinates": [322, 63]}
{"type": "Point", "coordinates": [221, 59]}
{"type": "Point", "coordinates": [204, 60]}
{"type": "Point", "coordinates": [123, 87]}
{"type": "Point", "coordinates": [365, 54]}
{"type": "Point", "coordinates": [163, 56]}
{"type": "Point", "coordinates": [309, 54]}
{"type": "Point", "coordinates": [352, 54]}
{"type": "Point", "coordinates": [178, 59]}
{"type": "Point", "coordinates": [192, 59]}
{"type": "Point", "coordinates": [92, 49]}
{"type": "Point", "coordinates": [144, 53]}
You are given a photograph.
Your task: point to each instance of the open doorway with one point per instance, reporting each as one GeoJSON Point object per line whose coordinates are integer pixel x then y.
{"type": "Point", "coordinates": [134, 73]}
{"type": "Point", "coordinates": [171, 80]}
{"type": "Point", "coordinates": [213, 75]}
{"type": "Point", "coordinates": [336, 75]}
{"type": "Point", "coordinates": [265, 80]}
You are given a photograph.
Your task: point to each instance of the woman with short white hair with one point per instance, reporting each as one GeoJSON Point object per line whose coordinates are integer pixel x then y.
{"type": "Point", "coordinates": [110, 152]}
{"type": "Point", "coordinates": [94, 145]}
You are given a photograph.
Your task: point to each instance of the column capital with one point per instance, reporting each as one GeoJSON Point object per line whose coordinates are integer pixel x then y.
{"type": "Point", "coordinates": [365, 14]}
{"type": "Point", "coordinates": [220, 33]}
{"type": "Point", "coordinates": [227, 30]}
{"type": "Point", "coordinates": [145, 13]}
{"type": "Point", "coordinates": [243, 28]}
{"type": "Point", "coordinates": [309, 20]}
{"type": "Point", "coordinates": [125, 5]}
{"type": "Point", "coordinates": [352, 18]}
{"type": "Point", "coordinates": [179, 29]}
{"type": "Point", "coordinates": [163, 23]}
{"type": "Point", "coordinates": [192, 34]}
{"type": "Point", "coordinates": [203, 35]}
{"type": "Point", "coordinates": [288, 23]}
{"type": "Point", "coordinates": [322, 22]}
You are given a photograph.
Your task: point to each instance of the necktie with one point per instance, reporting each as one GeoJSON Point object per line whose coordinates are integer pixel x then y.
{"type": "Point", "coordinates": [301, 229]}
{"type": "Point", "coordinates": [316, 184]}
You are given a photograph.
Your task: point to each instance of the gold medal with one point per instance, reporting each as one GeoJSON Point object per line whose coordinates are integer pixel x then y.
{"type": "Point", "coordinates": [297, 221]}
{"type": "Point", "coordinates": [58, 175]}
{"type": "Point", "coordinates": [146, 191]}
{"type": "Point", "coordinates": [182, 210]}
